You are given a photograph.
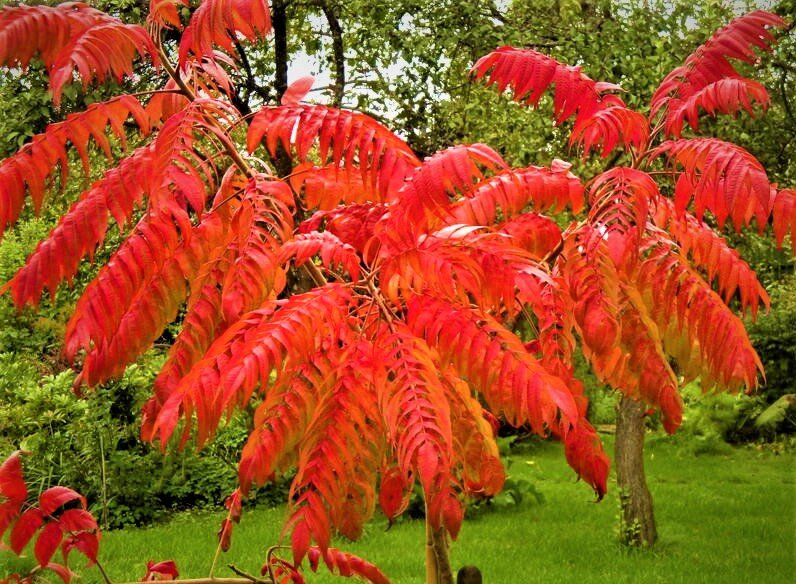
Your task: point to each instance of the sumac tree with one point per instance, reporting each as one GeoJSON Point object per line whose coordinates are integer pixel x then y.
{"type": "Point", "coordinates": [360, 299]}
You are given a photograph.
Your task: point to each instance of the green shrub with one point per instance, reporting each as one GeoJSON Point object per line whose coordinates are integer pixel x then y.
{"type": "Point", "coordinates": [92, 444]}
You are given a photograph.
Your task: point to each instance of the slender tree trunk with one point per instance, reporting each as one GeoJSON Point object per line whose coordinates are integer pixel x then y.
{"type": "Point", "coordinates": [438, 566]}
{"type": "Point", "coordinates": [638, 519]}
{"type": "Point", "coordinates": [279, 24]}
{"type": "Point", "coordinates": [338, 52]}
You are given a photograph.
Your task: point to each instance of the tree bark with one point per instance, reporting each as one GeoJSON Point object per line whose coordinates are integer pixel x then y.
{"type": "Point", "coordinates": [638, 519]}
{"type": "Point", "coordinates": [279, 24]}
{"type": "Point", "coordinates": [338, 53]}
{"type": "Point", "coordinates": [438, 566]}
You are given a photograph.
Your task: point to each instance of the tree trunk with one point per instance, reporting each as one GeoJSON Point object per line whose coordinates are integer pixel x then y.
{"type": "Point", "coordinates": [438, 566]}
{"type": "Point", "coordinates": [638, 519]}
{"type": "Point", "coordinates": [281, 57]}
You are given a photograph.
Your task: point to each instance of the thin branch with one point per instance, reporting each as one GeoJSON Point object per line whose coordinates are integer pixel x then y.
{"type": "Point", "coordinates": [104, 574]}
{"type": "Point", "coordinates": [243, 574]}
{"type": "Point", "coordinates": [187, 91]}
{"type": "Point", "coordinates": [388, 314]}
{"type": "Point", "coordinates": [251, 80]}
{"type": "Point", "coordinates": [338, 52]}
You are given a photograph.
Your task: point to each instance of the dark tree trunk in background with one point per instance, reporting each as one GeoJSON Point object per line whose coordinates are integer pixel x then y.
{"type": "Point", "coordinates": [338, 53]}
{"type": "Point", "coordinates": [638, 518]}
{"type": "Point", "coordinates": [281, 56]}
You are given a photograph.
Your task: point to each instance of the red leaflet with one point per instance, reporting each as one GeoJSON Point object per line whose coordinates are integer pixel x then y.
{"type": "Point", "coordinates": [225, 534]}
{"type": "Point", "coordinates": [30, 169]}
{"type": "Point", "coordinates": [165, 570]}
{"type": "Point", "coordinates": [352, 224]}
{"type": "Point", "coordinates": [424, 202]}
{"type": "Point", "coordinates": [12, 483]}
{"type": "Point", "coordinates": [165, 13]}
{"type": "Point", "coordinates": [600, 117]}
{"type": "Point", "coordinates": [297, 90]}
{"type": "Point", "coordinates": [71, 37]}
{"type": "Point", "coordinates": [709, 81]}
{"type": "Point", "coordinates": [233, 505]}
{"type": "Point", "coordinates": [162, 105]}
{"type": "Point", "coordinates": [785, 216]}
{"type": "Point", "coordinates": [282, 572]}
{"type": "Point", "coordinates": [56, 497]}
{"type": "Point", "coordinates": [346, 564]}
{"type": "Point", "coordinates": [722, 178]}
{"type": "Point", "coordinates": [85, 542]}
{"type": "Point", "coordinates": [25, 528]}
{"type": "Point", "coordinates": [64, 573]}
{"type": "Point", "coordinates": [332, 252]}
{"type": "Point", "coordinates": [585, 454]}
{"type": "Point", "coordinates": [394, 492]}
{"type": "Point", "coordinates": [452, 514]}
{"type": "Point", "coordinates": [510, 192]}
{"type": "Point", "coordinates": [218, 23]}
{"type": "Point", "coordinates": [536, 234]}
{"type": "Point", "coordinates": [47, 542]}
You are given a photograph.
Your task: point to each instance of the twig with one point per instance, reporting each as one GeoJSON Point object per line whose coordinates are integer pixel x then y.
{"type": "Point", "coordinates": [104, 574]}
{"type": "Point", "coordinates": [243, 574]}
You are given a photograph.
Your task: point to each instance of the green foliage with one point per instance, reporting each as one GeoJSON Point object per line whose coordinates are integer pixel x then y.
{"type": "Point", "coordinates": [709, 419]}
{"type": "Point", "coordinates": [92, 445]}
{"type": "Point", "coordinates": [782, 411]}
{"type": "Point", "coordinates": [713, 421]}
{"type": "Point", "coordinates": [774, 338]}
{"type": "Point", "coordinates": [39, 332]}
{"type": "Point", "coordinates": [518, 491]}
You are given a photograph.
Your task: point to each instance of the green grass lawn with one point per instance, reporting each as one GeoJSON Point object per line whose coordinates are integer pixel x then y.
{"type": "Point", "coordinates": [721, 518]}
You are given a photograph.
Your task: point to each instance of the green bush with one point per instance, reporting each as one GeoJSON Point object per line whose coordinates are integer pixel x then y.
{"type": "Point", "coordinates": [92, 445]}
{"type": "Point", "coordinates": [774, 338]}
